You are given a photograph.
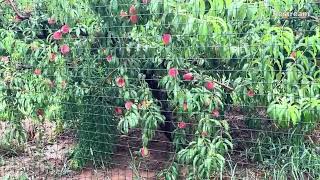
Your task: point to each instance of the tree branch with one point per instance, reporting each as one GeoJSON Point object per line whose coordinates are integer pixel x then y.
{"type": "Point", "coordinates": [21, 16]}
{"type": "Point", "coordinates": [223, 85]}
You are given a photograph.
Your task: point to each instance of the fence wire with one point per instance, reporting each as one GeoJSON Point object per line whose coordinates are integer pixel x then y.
{"type": "Point", "coordinates": [159, 89]}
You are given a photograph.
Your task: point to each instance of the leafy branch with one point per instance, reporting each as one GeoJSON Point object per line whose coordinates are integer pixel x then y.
{"type": "Point", "coordinates": [21, 15]}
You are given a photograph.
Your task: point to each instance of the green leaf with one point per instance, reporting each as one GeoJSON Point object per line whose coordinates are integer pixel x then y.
{"type": "Point", "coordinates": [203, 32]}
{"type": "Point", "coordinates": [189, 26]}
{"type": "Point", "coordinates": [114, 6]}
{"type": "Point", "coordinates": [202, 8]}
{"type": "Point", "coordinates": [195, 161]}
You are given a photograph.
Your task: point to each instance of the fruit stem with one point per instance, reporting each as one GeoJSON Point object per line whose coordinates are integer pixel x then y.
{"type": "Point", "coordinates": [109, 75]}
{"type": "Point", "coordinates": [223, 85]}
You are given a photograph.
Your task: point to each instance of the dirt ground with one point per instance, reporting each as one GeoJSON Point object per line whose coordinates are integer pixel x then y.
{"type": "Point", "coordinates": [50, 160]}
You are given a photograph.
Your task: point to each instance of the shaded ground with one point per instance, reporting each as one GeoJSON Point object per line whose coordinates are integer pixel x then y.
{"type": "Point", "coordinates": [50, 161]}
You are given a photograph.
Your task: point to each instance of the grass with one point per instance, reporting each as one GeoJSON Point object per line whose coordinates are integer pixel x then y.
{"type": "Point", "coordinates": [283, 157]}
{"type": "Point", "coordinates": [22, 176]}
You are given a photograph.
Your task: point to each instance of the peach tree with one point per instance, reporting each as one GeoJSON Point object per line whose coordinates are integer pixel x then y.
{"type": "Point", "coordinates": [50, 70]}
{"type": "Point", "coordinates": [177, 83]}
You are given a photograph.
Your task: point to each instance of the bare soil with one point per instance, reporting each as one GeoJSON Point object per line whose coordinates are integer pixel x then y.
{"type": "Point", "coordinates": [49, 159]}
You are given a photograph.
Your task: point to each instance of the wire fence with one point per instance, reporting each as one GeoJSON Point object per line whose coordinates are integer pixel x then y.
{"type": "Point", "coordinates": [159, 89]}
